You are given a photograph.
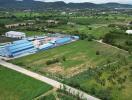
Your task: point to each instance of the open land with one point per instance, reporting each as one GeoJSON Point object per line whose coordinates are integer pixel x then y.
{"type": "Point", "coordinates": [97, 68]}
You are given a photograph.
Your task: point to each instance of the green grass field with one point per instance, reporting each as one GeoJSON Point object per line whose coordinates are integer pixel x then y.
{"type": "Point", "coordinates": [96, 30]}
{"type": "Point", "coordinates": [16, 86]}
{"type": "Point", "coordinates": [78, 55]}
{"type": "Point", "coordinates": [91, 20]}
{"type": "Point", "coordinates": [33, 33]}
{"type": "Point", "coordinates": [26, 14]}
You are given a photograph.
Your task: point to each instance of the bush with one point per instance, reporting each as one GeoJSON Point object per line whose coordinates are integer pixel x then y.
{"type": "Point", "coordinates": [64, 58]}
{"type": "Point", "coordinates": [55, 60]}
{"type": "Point", "coordinates": [97, 52]}
{"type": "Point", "coordinates": [90, 28]}
{"type": "Point", "coordinates": [128, 42]}
{"type": "Point", "coordinates": [49, 62]}
{"type": "Point", "coordinates": [108, 38]}
{"type": "Point", "coordinates": [105, 94]}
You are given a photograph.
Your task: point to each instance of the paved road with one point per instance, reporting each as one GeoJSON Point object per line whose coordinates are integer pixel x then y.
{"type": "Point", "coordinates": [49, 81]}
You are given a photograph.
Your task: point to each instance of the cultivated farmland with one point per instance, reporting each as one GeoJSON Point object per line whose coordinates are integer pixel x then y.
{"type": "Point", "coordinates": [70, 59]}
{"type": "Point", "coordinates": [16, 86]}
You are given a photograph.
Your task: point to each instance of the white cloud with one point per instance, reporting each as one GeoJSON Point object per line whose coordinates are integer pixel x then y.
{"type": "Point", "coordinates": [93, 1]}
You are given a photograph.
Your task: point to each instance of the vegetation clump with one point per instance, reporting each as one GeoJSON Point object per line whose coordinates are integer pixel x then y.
{"type": "Point", "coordinates": [55, 60]}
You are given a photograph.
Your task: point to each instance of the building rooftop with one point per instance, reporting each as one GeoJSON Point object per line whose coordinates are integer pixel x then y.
{"type": "Point", "coordinates": [15, 33]}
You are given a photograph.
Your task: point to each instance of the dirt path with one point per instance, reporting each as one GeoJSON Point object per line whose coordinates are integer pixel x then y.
{"type": "Point", "coordinates": [100, 41]}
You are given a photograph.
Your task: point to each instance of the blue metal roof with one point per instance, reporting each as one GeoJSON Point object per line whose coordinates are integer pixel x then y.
{"type": "Point", "coordinates": [63, 40]}
{"type": "Point", "coordinates": [20, 41]}
{"type": "Point", "coordinates": [18, 48]}
{"type": "Point", "coordinates": [45, 46]}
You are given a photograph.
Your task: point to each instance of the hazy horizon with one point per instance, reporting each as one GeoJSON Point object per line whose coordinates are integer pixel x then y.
{"type": "Point", "coordinates": [92, 1]}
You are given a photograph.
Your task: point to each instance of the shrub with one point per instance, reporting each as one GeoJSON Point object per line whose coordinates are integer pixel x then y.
{"type": "Point", "coordinates": [49, 62]}
{"type": "Point", "coordinates": [97, 52]}
{"type": "Point", "coordinates": [55, 60]}
{"type": "Point", "coordinates": [90, 28]}
{"type": "Point", "coordinates": [105, 94]}
{"type": "Point", "coordinates": [64, 58]}
{"type": "Point", "coordinates": [128, 42]}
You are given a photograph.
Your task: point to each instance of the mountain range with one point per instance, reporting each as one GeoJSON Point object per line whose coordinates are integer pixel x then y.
{"type": "Point", "coordinates": [37, 5]}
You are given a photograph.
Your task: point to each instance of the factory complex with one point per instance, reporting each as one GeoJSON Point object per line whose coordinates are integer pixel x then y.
{"type": "Point", "coordinates": [31, 45]}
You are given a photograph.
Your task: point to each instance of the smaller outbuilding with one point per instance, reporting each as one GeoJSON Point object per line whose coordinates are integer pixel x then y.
{"type": "Point", "coordinates": [14, 34]}
{"type": "Point", "coordinates": [129, 31]}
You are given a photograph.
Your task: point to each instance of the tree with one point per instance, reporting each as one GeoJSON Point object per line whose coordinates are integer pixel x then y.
{"type": "Point", "coordinates": [109, 38]}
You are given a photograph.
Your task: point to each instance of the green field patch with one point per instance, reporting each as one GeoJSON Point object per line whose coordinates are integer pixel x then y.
{"type": "Point", "coordinates": [71, 63]}
{"type": "Point", "coordinates": [33, 33]}
{"type": "Point", "coordinates": [16, 86]}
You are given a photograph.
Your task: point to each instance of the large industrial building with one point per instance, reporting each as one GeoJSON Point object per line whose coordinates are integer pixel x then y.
{"type": "Point", "coordinates": [18, 48]}
{"type": "Point", "coordinates": [35, 44]}
{"type": "Point", "coordinates": [14, 34]}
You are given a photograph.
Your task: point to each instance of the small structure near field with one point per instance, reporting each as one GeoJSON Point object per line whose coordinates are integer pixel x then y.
{"type": "Point", "coordinates": [129, 31]}
{"type": "Point", "coordinates": [14, 34]}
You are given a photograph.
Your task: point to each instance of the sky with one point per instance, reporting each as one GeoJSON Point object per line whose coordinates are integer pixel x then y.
{"type": "Point", "coordinates": [93, 1]}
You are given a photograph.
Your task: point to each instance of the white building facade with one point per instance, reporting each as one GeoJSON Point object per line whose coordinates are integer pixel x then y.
{"type": "Point", "coordinates": [129, 31]}
{"type": "Point", "coordinates": [14, 34]}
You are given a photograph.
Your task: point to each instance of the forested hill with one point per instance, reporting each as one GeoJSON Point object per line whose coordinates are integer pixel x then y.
{"type": "Point", "coordinates": [37, 5]}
